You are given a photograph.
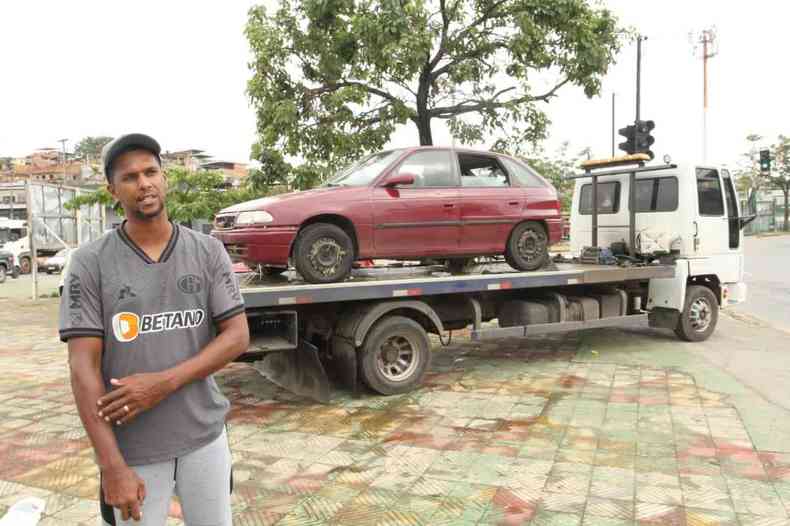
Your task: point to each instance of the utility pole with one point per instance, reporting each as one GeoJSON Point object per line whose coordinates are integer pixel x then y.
{"type": "Point", "coordinates": [613, 128]}
{"type": "Point", "coordinates": [706, 41]}
{"type": "Point", "coordinates": [63, 144]}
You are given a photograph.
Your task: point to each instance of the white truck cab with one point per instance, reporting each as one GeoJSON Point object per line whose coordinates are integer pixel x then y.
{"type": "Point", "coordinates": [684, 213]}
{"type": "Point", "coordinates": [14, 239]}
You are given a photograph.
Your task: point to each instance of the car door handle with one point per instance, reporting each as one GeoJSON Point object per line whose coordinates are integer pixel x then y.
{"type": "Point", "coordinates": [513, 203]}
{"type": "Point", "coordinates": [449, 205]}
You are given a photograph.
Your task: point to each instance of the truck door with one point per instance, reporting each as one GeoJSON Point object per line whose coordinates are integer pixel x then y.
{"type": "Point", "coordinates": [712, 239]}
{"type": "Point", "coordinates": [733, 214]}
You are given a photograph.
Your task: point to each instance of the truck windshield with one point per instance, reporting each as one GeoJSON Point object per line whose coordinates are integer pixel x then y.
{"type": "Point", "coordinates": [365, 171]}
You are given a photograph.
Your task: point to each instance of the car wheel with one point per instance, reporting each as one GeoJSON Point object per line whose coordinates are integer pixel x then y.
{"type": "Point", "coordinates": [24, 265]}
{"type": "Point", "coordinates": [700, 314]}
{"type": "Point", "coordinates": [395, 355]}
{"type": "Point", "coordinates": [323, 253]}
{"type": "Point", "coordinates": [527, 248]}
{"type": "Point", "coordinates": [2, 274]}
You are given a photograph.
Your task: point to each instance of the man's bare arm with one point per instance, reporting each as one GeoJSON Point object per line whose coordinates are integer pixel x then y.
{"type": "Point", "coordinates": [141, 392]}
{"type": "Point", "coordinates": [123, 488]}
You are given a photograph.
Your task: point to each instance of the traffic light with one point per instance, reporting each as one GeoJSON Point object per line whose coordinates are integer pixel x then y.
{"type": "Point", "coordinates": [629, 146]}
{"type": "Point", "coordinates": [765, 162]}
{"type": "Point", "coordinates": [642, 138]}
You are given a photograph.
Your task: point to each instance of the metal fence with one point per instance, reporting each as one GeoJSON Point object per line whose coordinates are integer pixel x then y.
{"type": "Point", "coordinates": [770, 216]}
{"type": "Point", "coordinates": [45, 203]}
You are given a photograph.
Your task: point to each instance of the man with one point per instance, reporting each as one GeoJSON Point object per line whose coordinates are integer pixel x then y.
{"type": "Point", "coordinates": [149, 312]}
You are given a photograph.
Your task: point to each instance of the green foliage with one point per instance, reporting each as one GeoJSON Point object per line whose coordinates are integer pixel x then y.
{"type": "Point", "coordinates": [90, 147]}
{"type": "Point", "coordinates": [332, 79]}
{"type": "Point", "coordinates": [191, 195]}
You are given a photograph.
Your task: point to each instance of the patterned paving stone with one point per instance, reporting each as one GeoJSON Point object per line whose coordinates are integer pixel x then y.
{"type": "Point", "coordinates": [518, 432]}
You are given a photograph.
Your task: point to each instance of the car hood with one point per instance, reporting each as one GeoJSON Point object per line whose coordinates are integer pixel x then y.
{"type": "Point", "coordinates": [276, 201]}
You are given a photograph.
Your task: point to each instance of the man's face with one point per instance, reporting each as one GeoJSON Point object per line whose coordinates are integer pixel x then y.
{"type": "Point", "coordinates": [139, 184]}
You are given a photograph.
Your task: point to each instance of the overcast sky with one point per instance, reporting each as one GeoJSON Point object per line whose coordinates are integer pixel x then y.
{"type": "Point", "coordinates": [178, 70]}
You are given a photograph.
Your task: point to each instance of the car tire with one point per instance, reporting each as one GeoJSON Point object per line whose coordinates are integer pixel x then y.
{"type": "Point", "coordinates": [395, 356]}
{"type": "Point", "coordinates": [323, 253]}
{"type": "Point", "coordinates": [527, 248]}
{"type": "Point", "coordinates": [24, 265]}
{"type": "Point", "coordinates": [700, 314]}
{"type": "Point", "coordinates": [2, 273]}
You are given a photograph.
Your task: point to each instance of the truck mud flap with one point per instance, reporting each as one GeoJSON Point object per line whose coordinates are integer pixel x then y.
{"type": "Point", "coordinates": [298, 371]}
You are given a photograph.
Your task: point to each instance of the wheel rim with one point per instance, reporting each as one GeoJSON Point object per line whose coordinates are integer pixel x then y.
{"type": "Point", "coordinates": [700, 314]}
{"type": "Point", "coordinates": [397, 359]}
{"type": "Point", "coordinates": [531, 245]}
{"type": "Point", "coordinates": [326, 255]}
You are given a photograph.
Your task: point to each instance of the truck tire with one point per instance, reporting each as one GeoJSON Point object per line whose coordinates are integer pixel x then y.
{"type": "Point", "coordinates": [528, 247]}
{"type": "Point", "coordinates": [323, 253]}
{"type": "Point", "coordinates": [2, 273]}
{"type": "Point", "coordinates": [700, 314]}
{"type": "Point", "coordinates": [24, 265]}
{"type": "Point", "coordinates": [395, 356]}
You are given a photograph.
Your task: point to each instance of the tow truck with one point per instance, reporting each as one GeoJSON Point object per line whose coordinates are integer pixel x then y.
{"type": "Point", "coordinates": [651, 244]}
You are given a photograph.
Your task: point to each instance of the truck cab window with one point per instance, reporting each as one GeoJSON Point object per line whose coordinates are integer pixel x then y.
{"type": "Point", "coordinates": [608, 198]}
{"type": "Point", "coordinates": [657, 194]}
{"type": "Point", "coordinates": [709, 192]}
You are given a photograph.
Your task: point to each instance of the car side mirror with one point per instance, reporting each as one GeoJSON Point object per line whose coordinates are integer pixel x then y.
{"type": "Point", "coordinates": [399, 180]}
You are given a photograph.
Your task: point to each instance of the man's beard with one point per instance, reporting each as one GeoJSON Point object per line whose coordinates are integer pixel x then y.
{"type": "Point", "coordinates": [149, 216]}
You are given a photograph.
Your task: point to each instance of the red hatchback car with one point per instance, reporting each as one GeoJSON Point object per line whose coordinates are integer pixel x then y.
{"type": "Point", "coordinates": [414, 203]}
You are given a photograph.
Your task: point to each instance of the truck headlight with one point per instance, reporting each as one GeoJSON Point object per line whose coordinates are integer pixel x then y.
{"type": "Point", "coordinates": [257, 217]}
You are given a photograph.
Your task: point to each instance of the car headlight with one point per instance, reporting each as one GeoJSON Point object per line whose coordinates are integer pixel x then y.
{"type": "Point", "coordinates": [257, 217]}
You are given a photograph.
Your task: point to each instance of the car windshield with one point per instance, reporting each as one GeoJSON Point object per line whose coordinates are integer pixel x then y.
{"type": "Point", "coordinates": [363, 172]}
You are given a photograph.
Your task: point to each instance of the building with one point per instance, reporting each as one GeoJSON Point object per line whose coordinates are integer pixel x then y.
{"type": "Point", "coordinates": [234, 172]}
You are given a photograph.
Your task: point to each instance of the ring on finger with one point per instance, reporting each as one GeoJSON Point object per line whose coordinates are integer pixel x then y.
{"type": "Point", "coordinates": [126, 408]}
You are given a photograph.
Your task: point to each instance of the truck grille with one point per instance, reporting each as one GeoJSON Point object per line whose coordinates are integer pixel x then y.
{"type": "Point", "coordinates": [225, 222]}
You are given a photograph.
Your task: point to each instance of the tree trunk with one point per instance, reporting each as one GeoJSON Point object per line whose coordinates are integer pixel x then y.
{"type": "Point", "coordinates": [423, 120]}
{"type": "Point", "coordinates": [785, 190]}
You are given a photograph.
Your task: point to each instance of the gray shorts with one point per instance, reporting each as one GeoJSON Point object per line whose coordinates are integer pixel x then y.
{"type": "Point", "coordinates": [201, 479]}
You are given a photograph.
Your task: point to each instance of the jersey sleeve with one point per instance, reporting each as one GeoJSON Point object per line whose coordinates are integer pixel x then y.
{"type": "Point", "coordinates": [80, 302]}
{"type": "Point", "coordinates": [226, 300]}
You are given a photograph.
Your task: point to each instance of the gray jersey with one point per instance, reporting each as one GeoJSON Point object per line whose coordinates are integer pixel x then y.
{"type": "Point", "coordinates": [153, 316]}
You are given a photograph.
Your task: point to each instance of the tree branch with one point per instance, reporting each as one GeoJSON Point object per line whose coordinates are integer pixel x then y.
{"type": "Point", "coordinates": [449, 112]}
{"type": "Point", "coordinates": [443, 40]}
{"type": "Point", "coordinates": [334, 86]}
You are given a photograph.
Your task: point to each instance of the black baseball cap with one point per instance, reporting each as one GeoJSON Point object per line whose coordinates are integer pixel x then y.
{"type": "Point", "coordinates": [125, 143]}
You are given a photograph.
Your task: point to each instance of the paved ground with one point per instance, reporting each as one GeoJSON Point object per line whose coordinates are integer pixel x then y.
{"type": "Point", "coordinates": [607, 427]}
{"type": "Point", "coordinates": [768, 278]}
{"type": "Point", "coordinates": [22, 287]}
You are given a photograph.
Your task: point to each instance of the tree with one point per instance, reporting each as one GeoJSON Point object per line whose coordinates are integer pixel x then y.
{"type": "Point", "coordinates": [556, 167]}
{"type": "Point", "coordinates": [332, 79]}
{"type": "Point", "coordinates": [89, 148]}
{"type": "Point", "coordinates": [191, 195]}
{"type": "Point", "coordinates": [781, 154]}
{"type": "Point", "coordinates": [747, 176]}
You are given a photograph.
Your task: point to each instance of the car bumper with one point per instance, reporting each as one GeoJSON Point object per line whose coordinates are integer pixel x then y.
{"type": "Point", "coordinates": [554, 226]}
{"type": "Point", "coordinates": [264, 246]}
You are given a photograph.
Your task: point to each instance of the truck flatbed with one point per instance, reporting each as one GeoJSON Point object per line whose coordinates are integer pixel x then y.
{"type": "Point", "coordinates": [387, 283]}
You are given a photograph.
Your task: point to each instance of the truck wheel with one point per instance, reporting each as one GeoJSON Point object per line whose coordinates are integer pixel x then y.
{"type": "Point", "coordinates": [395, 355]}
{"type": "Point", "coordinates": [24, 265]}
{"type": "Point", "coordinates": [700, 315]}
{"type": "Point", "coordinates": [2, 273]}
{"type": "Point", "coordinates": [527, 248]}
{"type": "Point", "coordinates": [323, 253]}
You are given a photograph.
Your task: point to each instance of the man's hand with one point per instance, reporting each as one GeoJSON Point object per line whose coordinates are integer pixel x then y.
{"type": "Point", "coordinates": [133, 395]}
{"type": "Point", "coordinates": [124, 490]}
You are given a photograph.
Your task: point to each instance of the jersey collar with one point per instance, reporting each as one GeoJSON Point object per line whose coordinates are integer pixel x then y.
{"type": "Point", "coordinates": [171, 244]}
